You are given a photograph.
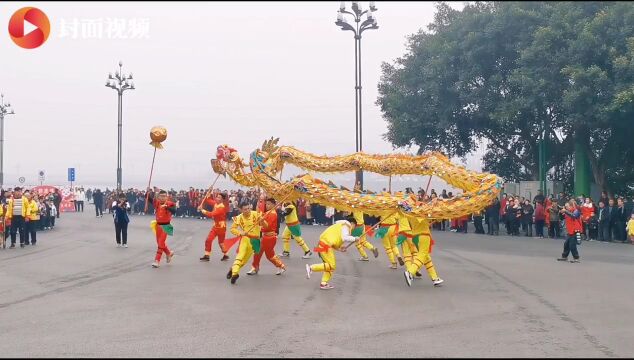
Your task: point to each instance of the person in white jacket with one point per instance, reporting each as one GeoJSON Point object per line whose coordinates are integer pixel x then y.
{"type": "Point", "coordinates": [80, 197]}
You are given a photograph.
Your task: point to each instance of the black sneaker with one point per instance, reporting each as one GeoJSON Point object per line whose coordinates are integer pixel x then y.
{"type": "Point", "coordinates": [418, 274]}
{"type": "Point", "coordinates": [375, 251]}
{"type": "Point", "coordinates": [22, 246]}
{"type": "Point", "coordinates": [229, 274]}
{"type": "Point", "coordinates": [400, 261]}
{"type": "Point", "coordinates": [234, 278]}
{"type": "Point", "coordinates": [562, 259]}
{"type": "Point", "coordinates": [205, 258]}
{"type": "Point", "coordinates": [224, 257]}
{"type": "Point", "coordinates": [12, 246]}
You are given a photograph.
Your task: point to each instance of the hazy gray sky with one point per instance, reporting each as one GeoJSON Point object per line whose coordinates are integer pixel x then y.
{"type": "Point", "coordinates": [211, 73]}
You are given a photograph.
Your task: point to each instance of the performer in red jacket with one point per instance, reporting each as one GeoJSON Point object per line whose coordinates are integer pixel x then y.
{"type": "Point", "coordinates": [269, 238]}
{"type": "Point", "coordinates": [219, 214]}
{"type": "Point", "coordinates": [162, 226]}
{"type": "Point", "coordinates": [574, 229]}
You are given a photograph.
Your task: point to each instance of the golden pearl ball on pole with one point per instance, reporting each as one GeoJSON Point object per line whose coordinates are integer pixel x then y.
{"type": "Point", "coordinates": [158, 134]}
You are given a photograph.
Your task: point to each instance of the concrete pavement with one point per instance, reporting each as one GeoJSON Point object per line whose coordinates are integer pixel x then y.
{"type": "Point", "coordinates": [77, 295]}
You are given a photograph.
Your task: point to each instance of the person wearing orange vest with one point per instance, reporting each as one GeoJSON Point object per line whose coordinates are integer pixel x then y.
{"type": "Point", "coordinates": [573, 228]}
{"type": "Point", "coordinates": [330, 240]}
{"type": "Point", "coordinates": [219, 214]}
{"type": "Point", "coordinates": [416, 240]}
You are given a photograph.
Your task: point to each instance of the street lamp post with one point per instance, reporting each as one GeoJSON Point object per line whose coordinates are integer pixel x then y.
{"type": "Point", "coordinates": [5, 109]}
{"type": "Point", "coordinates": [120, 82]}
{"type": "Point", "coordinates": [358, 28]}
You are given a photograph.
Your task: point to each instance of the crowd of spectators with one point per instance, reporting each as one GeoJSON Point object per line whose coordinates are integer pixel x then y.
{"type": "Point", "coordinates": [24, 212]}
{"type": "Point", "coordinates": [187, 202]}
{"type": "Point", "coordinates": [541, 217]}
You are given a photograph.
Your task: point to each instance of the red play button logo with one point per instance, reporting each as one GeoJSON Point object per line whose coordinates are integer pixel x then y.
{"type": "Point", "coordinates": [29, 27]}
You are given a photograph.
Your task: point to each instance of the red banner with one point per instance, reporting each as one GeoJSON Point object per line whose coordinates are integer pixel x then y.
{"type": "Point", "coordinates": [68, 197]}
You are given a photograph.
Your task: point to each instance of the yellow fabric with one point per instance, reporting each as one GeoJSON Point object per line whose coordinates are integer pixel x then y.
{"type": "Point", "coordinates": [328, 265]}
{"type": "Point", "coordinates": [421, 257]}
{"type": "Point", "coordinates": [286, 239]}
{"type": "Point", "coordinates": [245, 251]}
{"type": "Point", "coordinates": [419, 226]}
{"type": "Point", "coordinates": [332, 235]}
{"type": "Point", "coordinates": [390, 220]}
{"type": "Point", "coordinates": [25, 208]}
{"type": "Point", "coordinates": [34, 210]}
{"type": "Point", "coordinates": [153, 226]}
{"type": "Point", "coordinates": [292, 217]}
{"type": "Point", "coordinates": [363, 243]}
{"type": "Point", "coordinates": [251, 224]}
{"type": "Point", "coordinates": [630, 227]}
{"type": "Point", "coordinates": [1, 211]}
{"type": "Point", "coordinates": [389, 244]}
{"type": "Point", "coordinates": [409, 252]}
{"type": "Point", "coordinates": [404, 225]}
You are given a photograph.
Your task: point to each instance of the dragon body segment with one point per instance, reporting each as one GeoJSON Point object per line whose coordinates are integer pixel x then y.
{"type": "Point", "coordinates": [266, 163]}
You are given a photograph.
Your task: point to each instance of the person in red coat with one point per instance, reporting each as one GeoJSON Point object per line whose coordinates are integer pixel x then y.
{"type": "Point", "coordinates": [587, 211]}
{"type": "Point", "coordinates": [573, 229]}
{"type": "Point", "coordinates": [540, 219]}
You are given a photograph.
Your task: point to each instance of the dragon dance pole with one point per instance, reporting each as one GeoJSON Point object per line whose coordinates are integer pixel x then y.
{"type": "Point", "coordinates": [370, 229]}
{"type": "Point", "coordinates": [147, 193]}
{"type": "Point", "coordinates": [158, 134]}
{"type": "Point", "coordinates": [428, 182]}
{"type": "Point", "coordinates": [210, 189]}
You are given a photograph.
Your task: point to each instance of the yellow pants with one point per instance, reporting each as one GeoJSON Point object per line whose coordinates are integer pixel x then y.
{"type": "Point", "coordinates": [286, 237]}
{"type": "Point", "coordinates": [416, 258]}
{"type": "Point", "coordinates": [363, 243]}
{"type": "Point", "coordinates": [245, 251]}
{"type": "Point", "coordinates": [389, 243]}
{"type": "Point", "coordinates": [327, 267]}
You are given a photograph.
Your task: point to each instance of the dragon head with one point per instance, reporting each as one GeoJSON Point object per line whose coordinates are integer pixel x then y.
{"type": "Point", "coordinates": [225, 155]}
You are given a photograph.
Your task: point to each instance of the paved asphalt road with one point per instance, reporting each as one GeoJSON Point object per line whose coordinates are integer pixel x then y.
{"type": "Point", "coordinates": [77, 295]}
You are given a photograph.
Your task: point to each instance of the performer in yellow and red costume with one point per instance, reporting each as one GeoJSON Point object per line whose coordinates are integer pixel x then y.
{"type": "Point", "coordinates": [269, 238]}
{"type": "Point", "coordinates": [388, 231]}
{"type": "Point", "coordinates": [415, 238]}
{"type": "Point", "coordinates": [363, 243]}
{"type": "Point", "coordinates": [331, 239]}
{"type": "Point", "coordinates": [162, 226]}
{"type": "Point", "coordinates": [247, 227]}
{"type": "Point", "coordinates": [294, 230]}
{"type": "Point", "coordinates": [219, 214]}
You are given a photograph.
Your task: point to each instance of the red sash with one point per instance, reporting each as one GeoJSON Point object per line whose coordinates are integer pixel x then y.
{"type": "Point", "coordinates": [322, 247]}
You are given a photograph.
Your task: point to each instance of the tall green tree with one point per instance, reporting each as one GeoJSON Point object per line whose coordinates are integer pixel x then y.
{"type": "Point", "coordinates": [506, 72]}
